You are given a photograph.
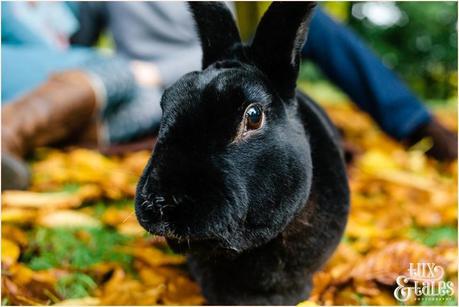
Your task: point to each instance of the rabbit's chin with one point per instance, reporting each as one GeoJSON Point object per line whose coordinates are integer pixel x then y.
{"type": "Point", "coordinates": [201, 246]}
{"type": "Point", "coordinates": [193, 243]}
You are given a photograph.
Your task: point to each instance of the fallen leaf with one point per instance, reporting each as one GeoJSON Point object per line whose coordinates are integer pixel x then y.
{"type": "Point", "coordinates": [18, 215]}
{"type": "Point", "coordinates": [15, 234]}
{"type": "Point", "coordinates": [33, 200]}
{"type": "Point", "coordinates": [85, 301]}
{"type": "Point", "coordinates": [10, 252]}
{"type": "Point", "coordinates": [67, 219]}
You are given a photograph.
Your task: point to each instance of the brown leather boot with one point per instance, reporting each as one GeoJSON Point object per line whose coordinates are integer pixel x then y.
{"type": "Point", "coordinates": [63, 105]}
{"type": "Point", "coordinates": [444, 142]}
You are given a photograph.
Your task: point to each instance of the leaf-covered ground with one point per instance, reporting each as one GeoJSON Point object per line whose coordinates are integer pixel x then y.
{"type": "Point", "coordinates": [73, 238]}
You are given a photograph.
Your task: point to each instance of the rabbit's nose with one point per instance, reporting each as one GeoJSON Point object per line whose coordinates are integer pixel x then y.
{"type": "Point", "coordinates": [163, 201]}
{"type": "Point", "coordinates": [159, 200]}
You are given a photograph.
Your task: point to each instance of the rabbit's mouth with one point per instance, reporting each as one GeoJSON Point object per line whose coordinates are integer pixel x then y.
{"type": "Point", "coordinates": [189, 237]}
{"type": "Point", "coordinates": [186, 242]}
{"type": "Point", "coordinates": [194, 245]}
{"type": "Point", "coordinates": [187, 219]}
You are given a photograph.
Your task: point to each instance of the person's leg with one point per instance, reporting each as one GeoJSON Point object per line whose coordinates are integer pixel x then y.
{"type": "Point", "coordinates": [353, 67]}
{"type": "Point", "coordinates": [62, 105]}
{"type": "Point", "coordinates": [348, 63]}
{"type": "Point", "coordinates": [26, 67]}
{"type": "Point", "coordinates": [139, 117]}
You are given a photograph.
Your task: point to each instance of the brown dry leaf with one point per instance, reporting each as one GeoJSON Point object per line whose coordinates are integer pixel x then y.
{"type": "Point", "coordinates": [124, 220]}
{"type": "Point", "coordinates": [103, 270]}
{"type": "Point", "coordinates": [122, 289]}
{"type": "Point", "coordinates": [152, 277]}
{"type": "Point", "coordinates": [15, 234]}
{"type": "Point", "coordinates": [17, 295]}
{"type": "Point", "coordinates": [157, 241]}
{"type": "Point", "coordinates": [131, 229]}
{"type": "Point", "coordinates": [111, 177]}
{"type": "Point", "coordinates": [181, 291]}
{"type": "Point", "coordinates": [24, 275]}
{"type": "Point", "coordinates": [154, 257]}
{"type": "Point", "coordinates": [89, 166]}
{"type": "Point", "coordinates": [89, 192]}
{"type": "Point", "coordinates": [339, 267]}
{"type": "Point", "coordinates": [115, 216]}
{"type": "Point", "coordinates": [136, 161]}
{"type": "Point", "coordinates": [392, 191]}
{"type": "Point", "coordinates": [393, 260]}
{"type": "Point", "coordinates": [449, 252]}
{"type": "Point", "coordinates": [366, 287]}
{"type": "Point", "coordinates": [321, 281]}
{"type": "Point", "coordinates": [328, 297]}
{"type": "Point", "coordinates": [30, 287]}
{"type": "Point", "coordinates": [346, 296]}
{"type": "Point", "coordinates": [384, 298]}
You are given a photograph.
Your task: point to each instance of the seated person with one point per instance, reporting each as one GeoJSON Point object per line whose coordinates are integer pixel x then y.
{"type": "Point", "coordinates": [155, 45]}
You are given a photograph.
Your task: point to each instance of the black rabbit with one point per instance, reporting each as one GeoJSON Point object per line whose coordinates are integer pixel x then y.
{"type": "Point", "coordinates": [247, 177]}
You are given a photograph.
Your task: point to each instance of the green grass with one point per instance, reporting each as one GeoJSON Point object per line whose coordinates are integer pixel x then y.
{"type": "Point", "coordinates": [74, 248]}
{"type": "Point", "coordinates": [75, 285]}
{"type": "Point", "coordinates": [438, 301]}
{"type": "Point", "coordinates": [434, 236]}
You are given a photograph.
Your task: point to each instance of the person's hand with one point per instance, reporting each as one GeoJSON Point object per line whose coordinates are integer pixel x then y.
{"type": "Point", "coordinates": [444, 141]}
{"type": "Point", "coordinates": [145, 73]}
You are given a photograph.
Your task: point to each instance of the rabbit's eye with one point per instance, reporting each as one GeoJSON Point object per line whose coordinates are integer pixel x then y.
{"type": "Point", "coordinates": [254, 117]}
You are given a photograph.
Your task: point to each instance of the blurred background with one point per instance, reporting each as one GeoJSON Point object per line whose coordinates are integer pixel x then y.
{"type": "Point", "coordinates": [419, 41]}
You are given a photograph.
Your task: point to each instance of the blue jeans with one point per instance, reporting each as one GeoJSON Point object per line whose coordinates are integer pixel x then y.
{"type": "Point", "coordinates": [349, 64]}
{"type": "Point", "coordinates": [29, 57]}
{"type": "Point", "coordinates": [128, 112]}
{"type": "Point", "coordinates": [335, 49]}
{"type": "Point", "coordinates": [26, 67]}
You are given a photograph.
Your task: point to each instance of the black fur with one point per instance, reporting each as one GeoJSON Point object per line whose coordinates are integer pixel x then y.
{"type": "Point", "coordinates": [216, 45]}
{"type": "Point", "coordinates": [256, 216]}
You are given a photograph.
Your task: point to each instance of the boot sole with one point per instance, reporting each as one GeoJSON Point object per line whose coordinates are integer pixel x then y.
{"type": "Point", "coordinates": [15, 174]}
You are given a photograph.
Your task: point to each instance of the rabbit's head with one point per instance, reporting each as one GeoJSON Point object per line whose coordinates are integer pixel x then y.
{"type": "Point", "coordinates": [232, 164]}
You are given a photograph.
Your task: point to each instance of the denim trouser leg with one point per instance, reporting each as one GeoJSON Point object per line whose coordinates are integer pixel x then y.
{"type": "Point", "coordinates": [25, 67]}
{"type": "Point", "coordinates": [344, 59]}
{"type": "Point", "coordinates": [127, 111]}
{"type": "Point", "coordinates": [141, 116]}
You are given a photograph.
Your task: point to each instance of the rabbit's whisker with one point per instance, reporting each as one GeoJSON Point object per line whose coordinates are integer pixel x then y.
{"type": "Point", "coordinates": [127, 217]}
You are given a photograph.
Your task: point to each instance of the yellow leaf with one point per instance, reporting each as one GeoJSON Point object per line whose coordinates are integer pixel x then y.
{"type": "Point", "coordinates": [25, 199]}
{"type": "Point", "coordinates": [18, 215]}
{"type": "Point", "coordinates": [10, 252]}
{"type": "Point", "coordinates": [66, 219]}
{"type": "Point", "coordinates": [85, 301]}
{"type": "Point", "coordinates": [307, 303]}
{"type": "Point", "coordinates": [14, 234]}
{"type": "Point", "coordinates": [155, 257]}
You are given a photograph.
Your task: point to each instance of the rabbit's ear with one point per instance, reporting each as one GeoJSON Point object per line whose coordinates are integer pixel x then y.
{"type": "Point", "coordinates": [278, 42]}
{"type": "Point", "coordinates": [217, 30]}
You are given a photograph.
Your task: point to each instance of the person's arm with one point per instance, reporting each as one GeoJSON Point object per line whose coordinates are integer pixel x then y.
{"type": "Point", "coordinates": [168, 70]}
{"type": "Point", "coordinates": [346, 60]}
